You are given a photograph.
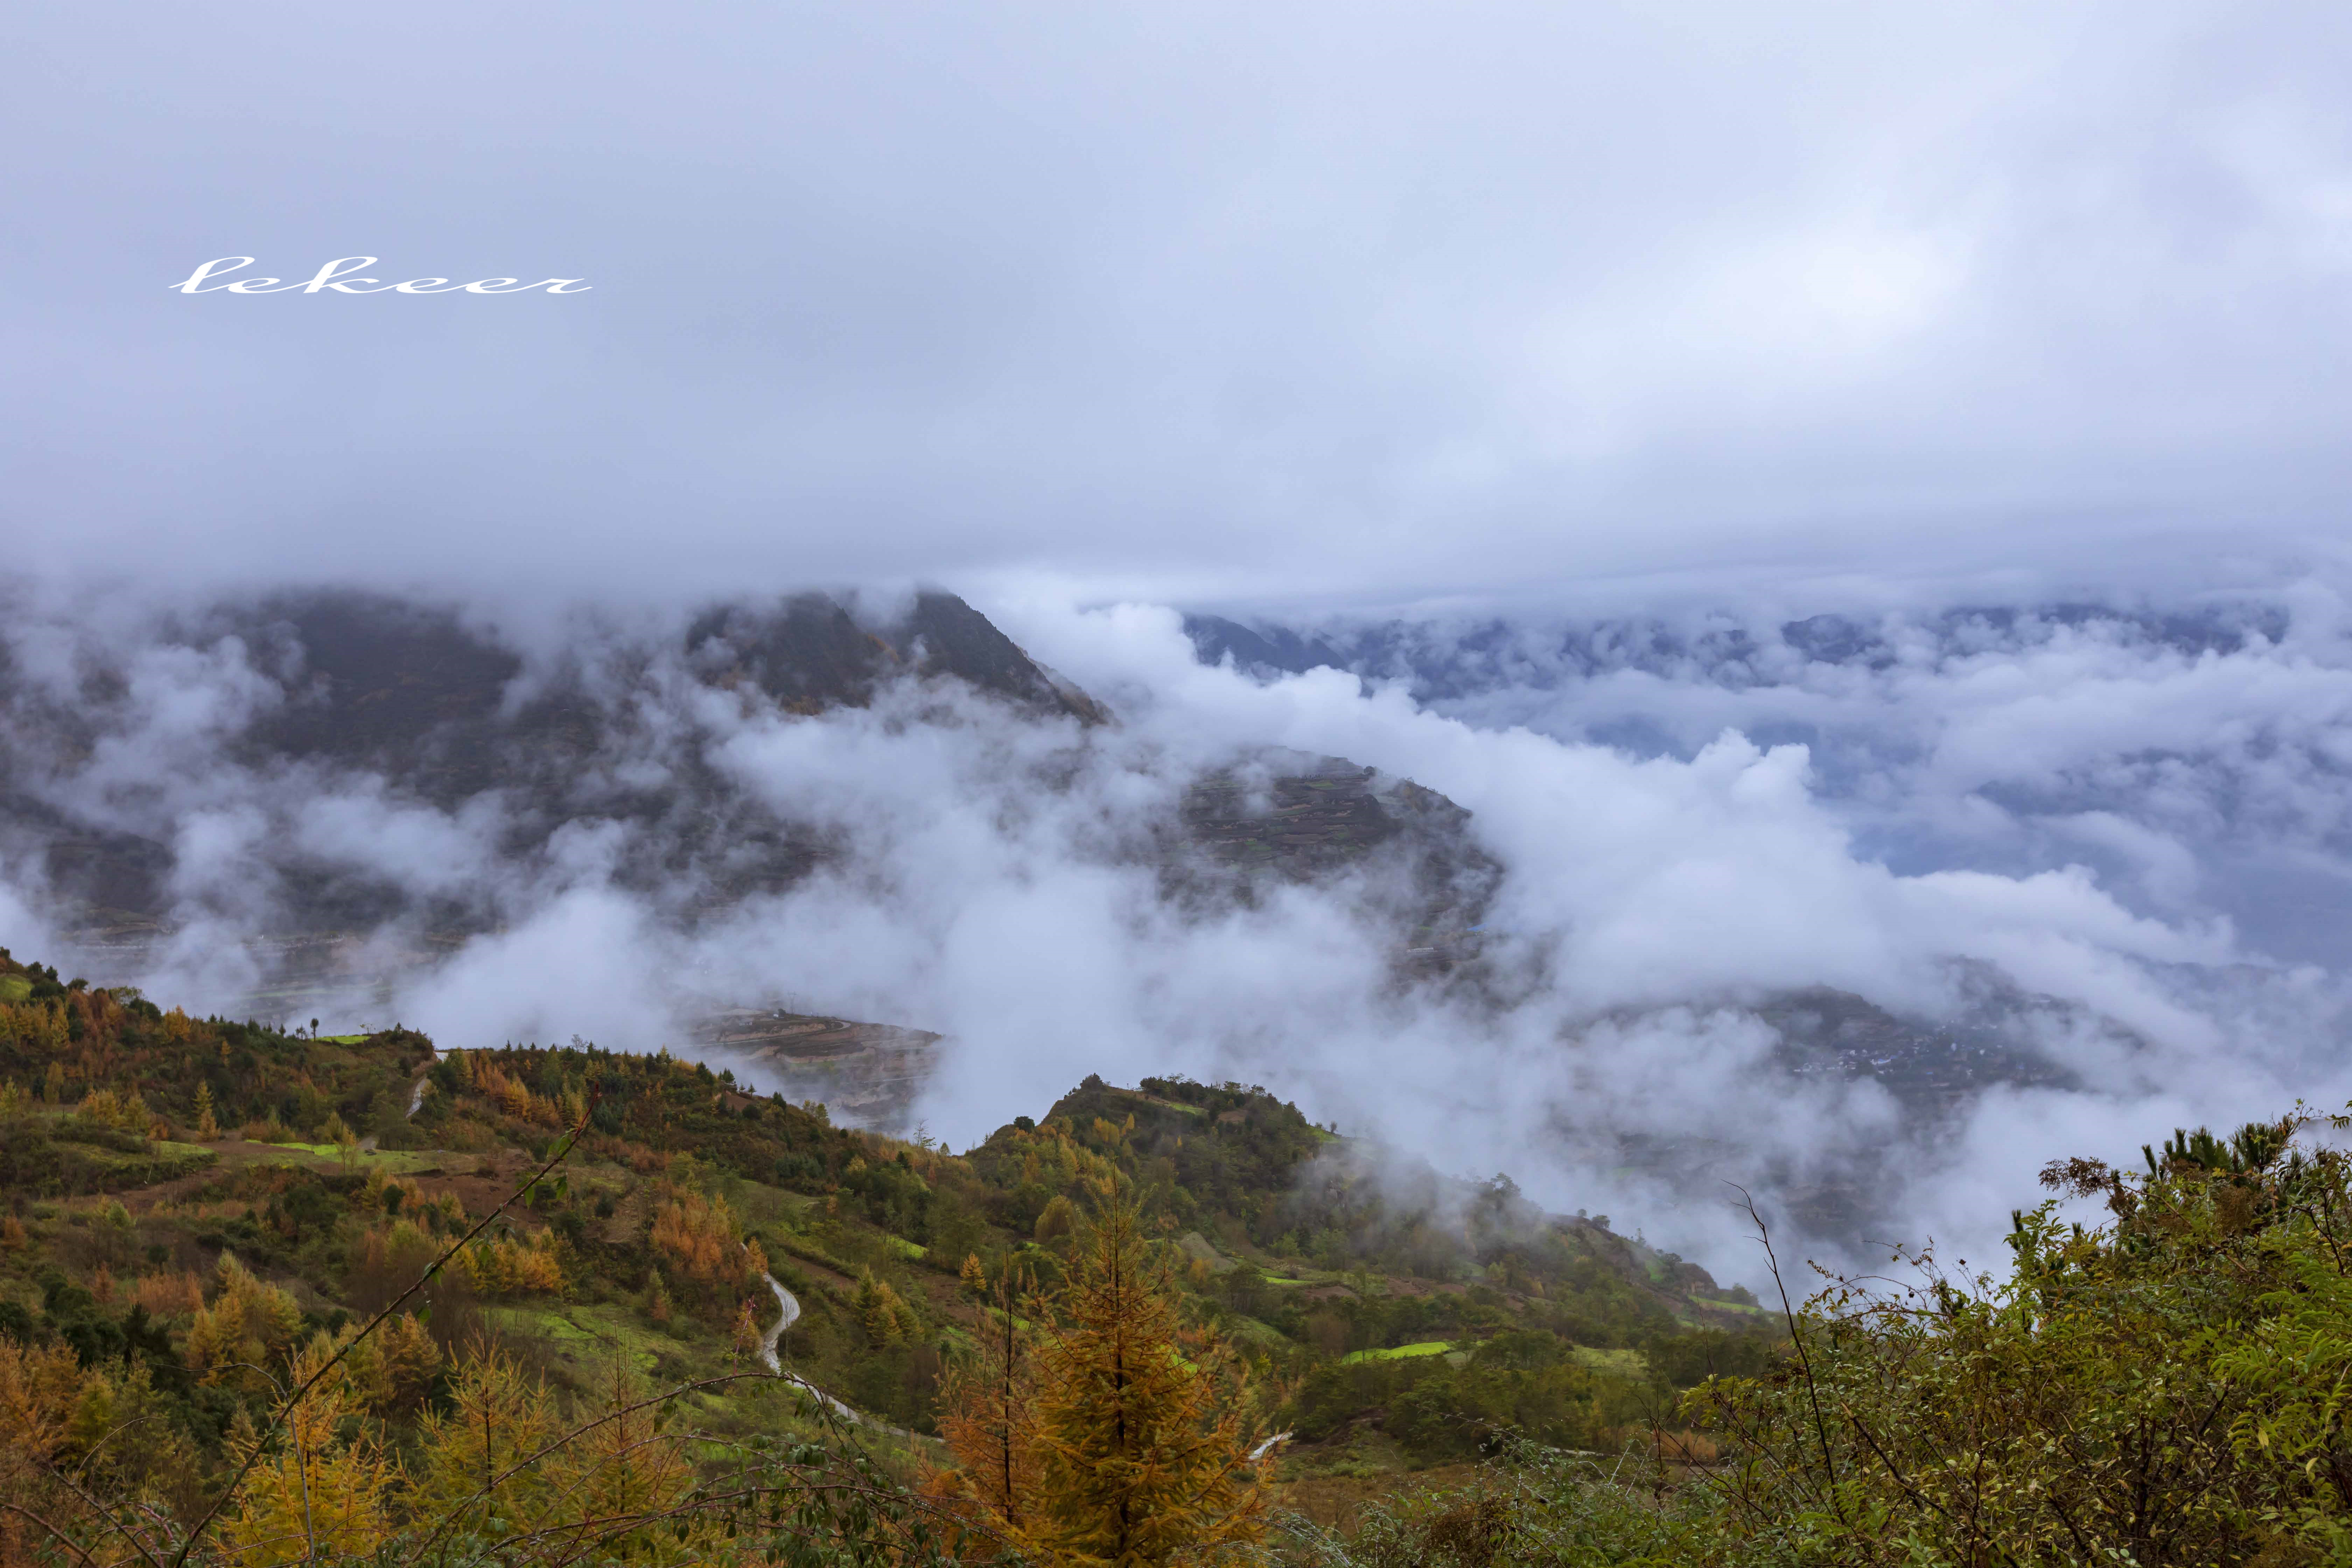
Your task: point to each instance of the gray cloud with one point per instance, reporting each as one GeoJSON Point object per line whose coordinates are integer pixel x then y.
{"type": "Point", "coordinates": [2195, 756]}
{"type": "Point", "coordinates": [1311, 301]}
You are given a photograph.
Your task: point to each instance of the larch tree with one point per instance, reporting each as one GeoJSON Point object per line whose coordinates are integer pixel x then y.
{"type": "Point", "coordinates": [620, 1464]}
{"type": "Point", "coordinates": [319, 1494]}
{"type": "Point", "coordinates": [988, 1418]}
{"type": "Point", "coordinates": [1142, 1450]}
{"type": "Point", "coordinates": [500, 1416]}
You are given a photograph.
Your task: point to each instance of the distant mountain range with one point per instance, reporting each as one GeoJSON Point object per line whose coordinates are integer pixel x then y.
{"type": "Point", "coordinates": [1444, 660]}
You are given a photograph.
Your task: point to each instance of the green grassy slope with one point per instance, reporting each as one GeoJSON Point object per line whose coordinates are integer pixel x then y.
{"type": "Point", "coordinates": [1386, 1331]}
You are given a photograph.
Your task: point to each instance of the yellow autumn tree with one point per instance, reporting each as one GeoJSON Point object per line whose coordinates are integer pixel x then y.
{"type": "Point", "coordinates": [1142, 1448]}
{"type": "Point", "coordinates": [392, 1368]}
{"type": "Point", "coordinates": [882, 1311]}
{"type": "Point", "coordinates": [622, 1465]}
{"type": "Point", "coordinates": [124, 1112]}
{"type": "Point", "coordinates": [988, 1418]}
{"type": "Point", "coordinates": [700, 1236]}
{"type": "Point", "coordinates": [40, 1387]}
{"type": "Point", "coordinates": [510, 1265]}
{"type": "Point", "coordinates": [410, 1359]}
{"type": "Point", "coordinates": [120, 1436]}
{"type": "Point", "coordinates": [1120, 1437]}
{"type": "Point", "coordinates": [70, 1435]}
{"type": "Point", "coordinates": [1057, 1222]}
{"type": "Point", "coordinates": [248, 1326]}
{"type": "Point", "coordinates": [316, 1493]}
{"type": "Point", "coordinates": [500, 1416]}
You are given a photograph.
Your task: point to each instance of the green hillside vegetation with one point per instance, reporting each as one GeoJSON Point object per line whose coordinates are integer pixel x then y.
{"type": "Point", "coordinates": [157, 1165]}
{"type": "Point", "coordinates": [200, 1217]}
{"type": "Point", "coordinates": [2169, 1386]}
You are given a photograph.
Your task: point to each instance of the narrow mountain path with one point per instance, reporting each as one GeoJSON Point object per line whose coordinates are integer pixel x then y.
{"type": "Point", "coordinates": [789, 1314]}
{"type": "Point", "coordinates": [1263, 1450]}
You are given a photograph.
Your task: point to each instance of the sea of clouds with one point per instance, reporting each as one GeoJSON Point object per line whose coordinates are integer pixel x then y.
{"type": "Point", "coordinates": [2138, 814]}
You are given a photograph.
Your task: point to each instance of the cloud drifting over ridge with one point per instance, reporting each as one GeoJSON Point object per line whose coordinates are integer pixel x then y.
{"type": "Point", "coordinates": [989, 878]}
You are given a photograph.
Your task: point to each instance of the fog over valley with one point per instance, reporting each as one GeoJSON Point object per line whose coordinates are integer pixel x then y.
{"type": "Point", "coordinates": [1869, 911]}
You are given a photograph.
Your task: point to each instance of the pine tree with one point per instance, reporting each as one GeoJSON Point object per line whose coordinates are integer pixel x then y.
{"type": "Point", "coordinates": [1142, 1453]}
{"type": "Point", "coordinates": [974, 1278]}
{"type": "Point", "coordinates": [207, 1127]}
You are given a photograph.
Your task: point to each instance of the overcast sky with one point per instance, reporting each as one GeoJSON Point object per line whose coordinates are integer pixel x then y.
{"type": "Point", "coordinates": [1297, 304]}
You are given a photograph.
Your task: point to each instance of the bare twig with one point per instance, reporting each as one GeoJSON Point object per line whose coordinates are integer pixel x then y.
{"type": "Point", "coordinates": [53, 1530]}
{"type": "Point", "coordinates": [1804, 1357]}
{"type": "Point", "coordinates": [105, 1513]}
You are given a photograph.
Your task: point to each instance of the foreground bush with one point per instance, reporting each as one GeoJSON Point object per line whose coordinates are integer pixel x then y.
{"type": "Point", "coordinates": [2168, 1387]}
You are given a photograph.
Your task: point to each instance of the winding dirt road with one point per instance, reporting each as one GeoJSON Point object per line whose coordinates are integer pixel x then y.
{"type": "Point", "coordinates": [789, 1314]}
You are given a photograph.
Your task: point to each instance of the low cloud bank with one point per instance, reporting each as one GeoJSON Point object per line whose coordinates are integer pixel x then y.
{"type": "Point", "coordinates": [2073, 811]}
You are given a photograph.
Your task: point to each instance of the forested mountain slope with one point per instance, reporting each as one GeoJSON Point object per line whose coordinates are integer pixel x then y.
{"type": "Point", "coordinates": [196, 1215]}
{"type": "Point", "coordinates": [163, 1174]}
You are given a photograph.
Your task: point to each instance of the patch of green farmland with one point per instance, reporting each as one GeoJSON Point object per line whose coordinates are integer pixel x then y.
{"type": "Point", "coordinates": [583, 1332]}
{"type": "Point", "coordinates": [1628, 1364]}
{"type": "Point", "coordinates": [1398, 1352]}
